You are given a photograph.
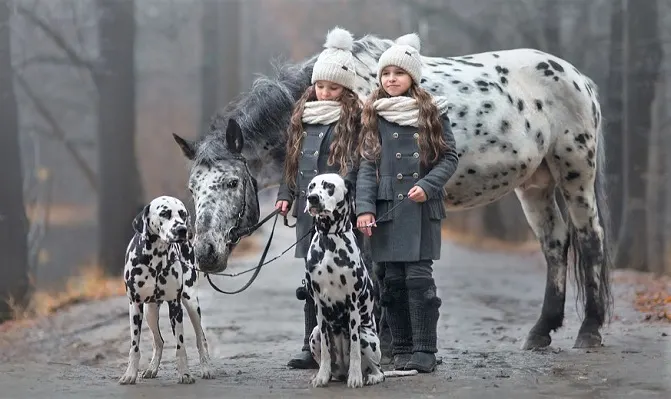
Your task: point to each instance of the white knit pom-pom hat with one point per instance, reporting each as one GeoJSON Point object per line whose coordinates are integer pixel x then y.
{"type": "Point", "coordinates": [404, 53]}
{"type": "Point", "coordinates": [335, 63]}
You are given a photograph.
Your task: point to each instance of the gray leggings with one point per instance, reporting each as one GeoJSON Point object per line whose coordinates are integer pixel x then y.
{"type": "Point", "coordinates": [408, 270]}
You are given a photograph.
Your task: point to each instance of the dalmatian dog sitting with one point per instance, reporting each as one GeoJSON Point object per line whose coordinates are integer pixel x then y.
{"type": "Point", "coordinates": [344, 343]}
{"type": "Point", "coordinates": [160, 268]}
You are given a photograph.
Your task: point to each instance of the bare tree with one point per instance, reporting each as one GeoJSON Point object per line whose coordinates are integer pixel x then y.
{"type": "Point", "coordinates": [121, 194]}
{"type": "Point", "coordinates": [14, 284]}
{"type": "Point", "coordinates": [643, 63]}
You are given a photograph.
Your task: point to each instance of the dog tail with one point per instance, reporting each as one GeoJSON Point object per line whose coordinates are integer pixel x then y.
{"type": "Point", "coordinates": [400, 373]}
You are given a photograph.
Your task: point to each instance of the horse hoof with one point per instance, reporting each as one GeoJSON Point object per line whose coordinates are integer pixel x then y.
{"type": "Point", "coordinates": [588, 340]}
{"type": "Point", "coordinates": [536, 341]}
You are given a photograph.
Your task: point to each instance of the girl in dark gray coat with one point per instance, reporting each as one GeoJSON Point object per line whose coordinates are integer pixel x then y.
{"type": "Point", "coordinates": [322, 138]}
{"type": "Point", "coordinates": [408, 155]}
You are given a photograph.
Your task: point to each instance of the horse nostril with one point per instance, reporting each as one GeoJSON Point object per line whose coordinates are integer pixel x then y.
{"type": "Point", "coordinates": [313, 199]}
{"type": "Point", "coordinates": [210, 250]}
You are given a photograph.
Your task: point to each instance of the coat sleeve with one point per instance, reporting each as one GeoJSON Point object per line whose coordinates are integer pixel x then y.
{"type": "Point", "coordinates": [366, 188]}
{"type": "Point", "coordinates": [433, 182]}
{"type": "Point", "coordinates": [284, 193]}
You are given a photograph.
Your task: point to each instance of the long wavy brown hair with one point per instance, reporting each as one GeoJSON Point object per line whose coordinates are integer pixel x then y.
{"type": "Point", "coordinates": [432, 144]}
{"type": "Point", "coordinates": [345, 141]}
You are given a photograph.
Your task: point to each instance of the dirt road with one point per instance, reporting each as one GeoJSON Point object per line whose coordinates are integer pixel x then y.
{"type": "Point", "coordinates": [489, 302]}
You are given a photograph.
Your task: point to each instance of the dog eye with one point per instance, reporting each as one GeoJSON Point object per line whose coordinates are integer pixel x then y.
{"type": "Point", "coordinates": [232, 183]}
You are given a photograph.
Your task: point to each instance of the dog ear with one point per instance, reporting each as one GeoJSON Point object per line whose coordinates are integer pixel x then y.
{"type": "Point", "coordinates": [350, 187]}
{"type": "Point", "coordinates": [141, 220]}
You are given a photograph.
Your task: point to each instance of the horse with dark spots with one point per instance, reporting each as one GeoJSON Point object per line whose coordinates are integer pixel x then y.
{"type": "Point", "coordinates": [524, 121]}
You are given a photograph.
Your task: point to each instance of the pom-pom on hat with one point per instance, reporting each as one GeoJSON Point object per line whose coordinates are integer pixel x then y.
{"type": "Point", "coordinates": [335, 63]}
{"type": "Point", "coordinates": [404, 53]}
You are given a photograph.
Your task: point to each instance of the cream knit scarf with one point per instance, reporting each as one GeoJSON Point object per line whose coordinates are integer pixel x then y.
{"type": "Point", "coordinates": [322, 112]}
{"type": "Point", "coordinates": [404, 110]}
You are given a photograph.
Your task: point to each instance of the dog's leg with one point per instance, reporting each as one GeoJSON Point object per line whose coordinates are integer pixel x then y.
{"type": "Point", "coordinates": [315, 344]}
{"type": "Point", "coordinates": [355, 376]}
{"type": "Point", "coordinates": [371, 356]}
{"type": "Point", "coordinates": [192, 305]}
{"type": "Point", "coordinates": [324, 374]}
{"type": "Point", "coordinates": [135, 315]}
{"type": "Point", "coordinates": [176, 318]}
{"type": "Point", "coordinates": [152, 321]}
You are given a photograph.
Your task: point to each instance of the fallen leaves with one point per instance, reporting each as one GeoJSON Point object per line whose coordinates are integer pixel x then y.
{"type": "Point", "coordinates": [655, 304]}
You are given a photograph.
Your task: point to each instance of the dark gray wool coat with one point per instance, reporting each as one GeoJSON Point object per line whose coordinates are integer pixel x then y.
{"type": "Point", "coordinates": [313, 160]}
{"type": "Point", "coordinates": [411, 232]}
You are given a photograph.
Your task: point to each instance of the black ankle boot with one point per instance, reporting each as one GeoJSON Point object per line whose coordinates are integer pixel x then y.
{"type": "Point", "coordinates": [304, 359]}
{"type": "Point", "coordinates": [397, 316]}
{"type": "Point", "coordinates": [424, 305]}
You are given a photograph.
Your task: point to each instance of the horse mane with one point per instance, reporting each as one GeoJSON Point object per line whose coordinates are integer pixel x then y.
{"type": "Point", "coordinates": [264, 111]}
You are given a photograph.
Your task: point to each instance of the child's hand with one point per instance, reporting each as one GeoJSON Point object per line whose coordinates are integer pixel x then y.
{"type": "Point", "coordinates": [417, 194]}
{"type": "Point", "coordinates": [364, 223]}
{"type": "Point", "coordinates": [283, 206]}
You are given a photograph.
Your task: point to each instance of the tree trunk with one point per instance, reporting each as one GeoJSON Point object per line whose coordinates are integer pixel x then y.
{"type": "Point", "coordinates": [120, 189]}
{"type": "Point", "coordinates": [210, 63]}
{"type": "Point", "coordinates": [644, 56]}
{"type": "Point", "coordinates": [228, 68]}
{"type": "Point", "coordinates": [617, 160]}
{"type": "Point", "coordinates": [14, 283]}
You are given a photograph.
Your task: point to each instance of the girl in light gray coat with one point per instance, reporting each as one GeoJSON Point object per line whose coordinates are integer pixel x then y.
{"type": "Point", "coordinates": [408, 155]}
{"type": "Point", "coordinates": [322, 138]}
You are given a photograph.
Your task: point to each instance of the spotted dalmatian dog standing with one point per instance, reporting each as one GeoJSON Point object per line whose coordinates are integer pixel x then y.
{"type": "Point", "coordinates": [160, 268]}
{"type": "Point", "coordinates": [344, 343]}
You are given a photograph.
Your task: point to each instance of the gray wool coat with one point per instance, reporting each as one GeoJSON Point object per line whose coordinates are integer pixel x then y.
{"type": "Point", "coordinates": [411, 231]}
{"type": "Point", "coordinates": [313, 160]}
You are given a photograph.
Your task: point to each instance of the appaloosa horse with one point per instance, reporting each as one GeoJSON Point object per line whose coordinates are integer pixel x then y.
{"type": "Point", "coordinates": [523, 120]}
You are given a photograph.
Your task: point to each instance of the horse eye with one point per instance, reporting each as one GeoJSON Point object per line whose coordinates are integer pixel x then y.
{"type": "Point", "coordinates": [232, 183]}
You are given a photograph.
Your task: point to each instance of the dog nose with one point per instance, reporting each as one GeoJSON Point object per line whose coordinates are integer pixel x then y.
{"type": "Point", "coordinates": [313, 199]}
{"type": "Point", "coordinates": [181, 231]}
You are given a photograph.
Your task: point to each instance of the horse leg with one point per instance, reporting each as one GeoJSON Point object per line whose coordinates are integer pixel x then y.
{"type": "Point", "coordinates": [579, 162]}
{"type": "Point", "coordinates": [590, 261]}
{"type": "Point", "coordinates": [545, 219]}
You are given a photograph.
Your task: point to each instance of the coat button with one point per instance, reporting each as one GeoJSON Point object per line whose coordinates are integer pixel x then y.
{"type": "Point", "coordinates": [305, 134]}
{"type": "Point", "coordinates": [302, 192]}
{"type": "Point", "coordinates": [416, 135]}
{"type": "Point", "coordinates": [416, 155]}
{"type": "Point", "coordinates": [395, 135]}
{"type": "Point", "coordinates": [399, 176]}
{"type": "Point", "coordinates": [415, 175]}
{"type": "Point", "coordinates": [316, 153]}
{"type": "Point", "coordinates": [398, 155]}
{"type": "Point", "coordinates": [400, 196]}
{"type": "Point", "coordinates": [314, 170]}
{"type": "Point", "coordinates": [321, 134]}
{"type": "Point", "coordinates": [301, 172]}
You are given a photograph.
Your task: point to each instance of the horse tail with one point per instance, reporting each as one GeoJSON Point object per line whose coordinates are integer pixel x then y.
{"type": "Point", "coordinates": [604, 294]}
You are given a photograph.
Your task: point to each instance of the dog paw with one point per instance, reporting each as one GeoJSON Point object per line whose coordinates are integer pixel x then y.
{"type": "Point", "coordinates": [150, 373]}
{"type": "Point", "coordinates": [206, 373]}
{"type": "Point", "coordinates": [128, 379]}
{"type": "Point", "coordinates": [374, 378]}
{"type": "Point", "coordinates": [355, 380]}
{"type": "Point", "coordinates": [186, 379]}
{"type": "Point", "coordinates": [320, 380]}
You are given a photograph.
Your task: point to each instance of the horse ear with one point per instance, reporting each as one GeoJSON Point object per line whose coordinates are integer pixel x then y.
{"type": "Point", "coordinates": [188, 147]}
{"type": "Point", "coordinates": [234, 136]}
{"type": "Point", "coordinates": [140, 221]}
